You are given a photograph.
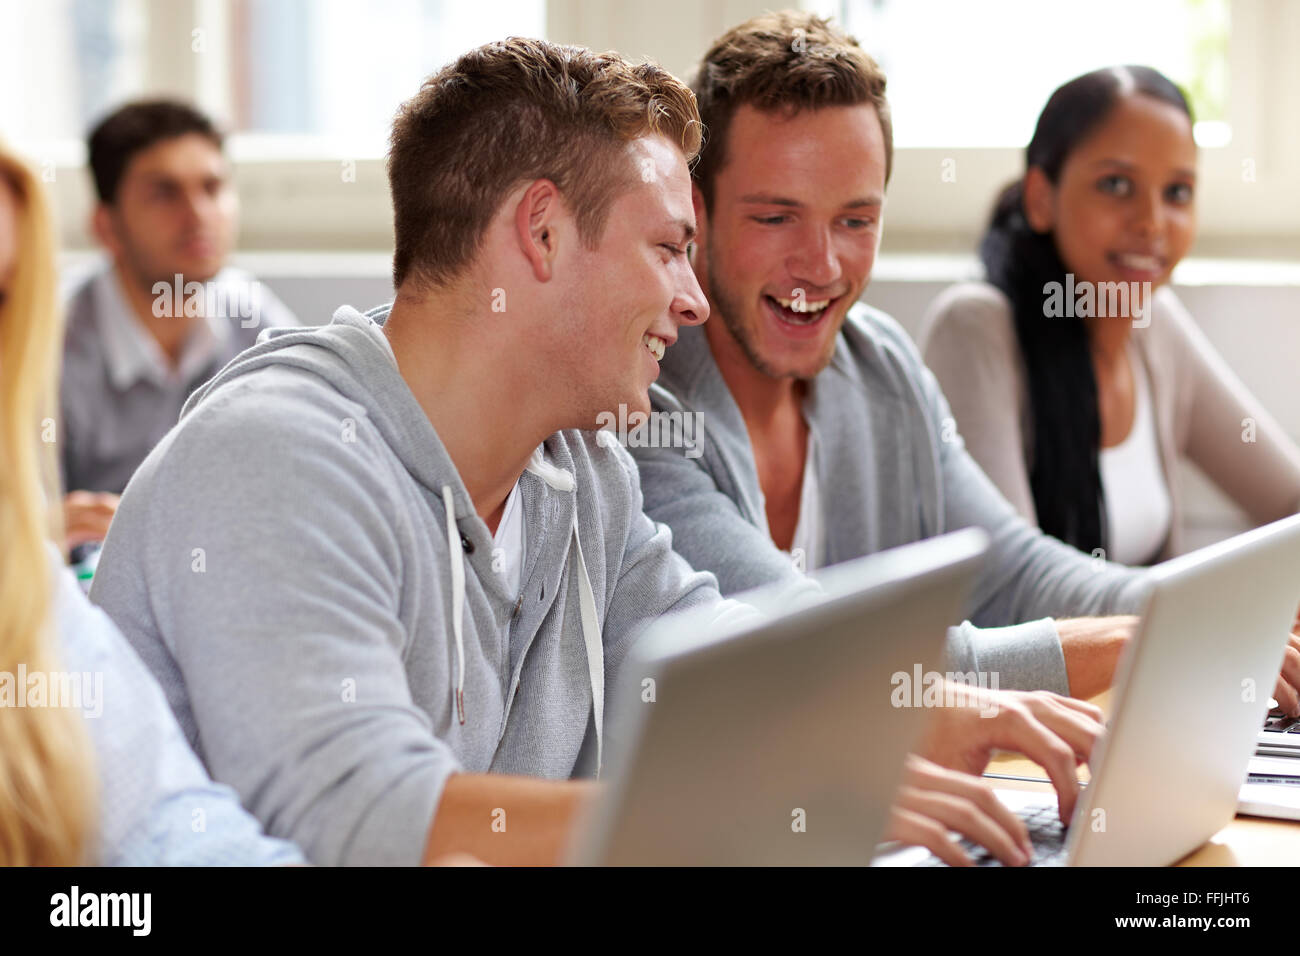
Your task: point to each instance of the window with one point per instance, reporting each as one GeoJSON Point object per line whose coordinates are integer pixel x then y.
{"type": "Point", "coordinates": [337, 70]}
{"type": "Point", "coordinates": [977, 74]}
{"type": "Point", "coordinates": [63, 63]}
{"type": "Point", "coordinates": [309, 88]}
{"type": "Point", "coordinates": [316, 72]}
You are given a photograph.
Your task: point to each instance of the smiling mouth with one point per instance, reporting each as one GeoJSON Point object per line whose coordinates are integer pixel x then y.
{"type": "Point", "coordinates": [799, 311]}
{"type": "Point", "coordinates": [655, 344]}
{"type": "Point", "coordinates": [1137, 262]}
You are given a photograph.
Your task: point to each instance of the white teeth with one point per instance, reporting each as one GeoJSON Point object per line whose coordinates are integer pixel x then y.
{"type": "Point", "coordinates": [1140, 263]}
{"type": "Point", "coordinates": [802, 305]}
{"type": "Point", "coordinates": [656, 345]}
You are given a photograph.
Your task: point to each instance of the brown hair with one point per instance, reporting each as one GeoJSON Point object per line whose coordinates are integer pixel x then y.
{"type": "Point", "coordinates": [787, 61]}
{"type": "Point", "coordinates": [511, 112]}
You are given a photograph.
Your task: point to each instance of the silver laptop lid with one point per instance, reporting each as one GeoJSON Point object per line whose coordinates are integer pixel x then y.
{"type": "Point", "coordinates": [1192, 692]}
{"type": "Point", "coordinates": [777, 741]}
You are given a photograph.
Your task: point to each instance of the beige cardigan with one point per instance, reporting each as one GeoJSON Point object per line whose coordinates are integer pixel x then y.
{"type": "Point", "coordinates": [1201, 407]}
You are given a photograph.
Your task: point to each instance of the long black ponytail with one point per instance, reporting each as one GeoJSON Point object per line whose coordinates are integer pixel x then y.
{"type": "Point", "coordinates": [1065, 476]}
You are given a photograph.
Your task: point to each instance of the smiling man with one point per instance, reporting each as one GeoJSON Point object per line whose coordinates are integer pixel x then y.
{"type": "Point", "coordinates": [167, 217]}
{"type": "Point", "coordinates": [379, 571]}
{"type": "Point", "coordinates": [827, 437]}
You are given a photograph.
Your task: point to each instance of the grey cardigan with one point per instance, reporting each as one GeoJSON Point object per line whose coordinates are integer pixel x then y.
{"type": "Point", "coordinates": [892, 471]}
{"type": "Point", "coordinates": [1201, 407]}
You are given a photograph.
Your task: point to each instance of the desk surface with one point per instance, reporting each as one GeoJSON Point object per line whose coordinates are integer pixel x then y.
{"type": "Point", "coordinates": [1246, 841]}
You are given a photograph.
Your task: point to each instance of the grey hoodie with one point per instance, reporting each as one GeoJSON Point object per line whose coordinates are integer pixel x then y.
{"type": "Point", "coordinates": [285, 564]}
{"type": "Point", "coordinates": [892, 469]}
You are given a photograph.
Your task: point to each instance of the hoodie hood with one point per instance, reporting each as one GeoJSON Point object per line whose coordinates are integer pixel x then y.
{"type": "Point", "coordinates": [352, 357]}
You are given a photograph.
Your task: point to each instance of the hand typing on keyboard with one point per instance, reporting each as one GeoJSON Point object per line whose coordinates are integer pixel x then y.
{"type": "Point", "coordinates": [1046, 832]}
{"type": "Point", "coordinates": [933, 801]}
{"type": "Point", "coordinates": [1055, 732]}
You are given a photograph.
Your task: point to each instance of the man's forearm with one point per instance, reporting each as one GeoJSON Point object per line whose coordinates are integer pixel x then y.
{"type": "Point", "coordinates": [505, 820]}
{"type": "Point", "coordinates": [1092, 646]}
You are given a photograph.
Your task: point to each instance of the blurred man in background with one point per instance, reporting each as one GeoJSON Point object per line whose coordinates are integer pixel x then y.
{"type": "Point", "coordinates": [163, 314]}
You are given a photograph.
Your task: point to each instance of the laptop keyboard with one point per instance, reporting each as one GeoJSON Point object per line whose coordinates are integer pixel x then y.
{"type": "Point", "coordinates": [1046, 833]}
{"type": "Point", "coordinates": [1281, 724]}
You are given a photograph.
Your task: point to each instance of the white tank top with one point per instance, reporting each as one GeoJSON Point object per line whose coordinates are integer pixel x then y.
{"type": "Point", "coordinates": [1138, 508]}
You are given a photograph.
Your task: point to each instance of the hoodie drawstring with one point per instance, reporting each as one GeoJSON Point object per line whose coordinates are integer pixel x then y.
{"type": "Point", "coordinates": [457, 597]}
{"type": "Point", "coordinates": [560, 480]}
{"type": "Point", "coordinates": [595, 646]}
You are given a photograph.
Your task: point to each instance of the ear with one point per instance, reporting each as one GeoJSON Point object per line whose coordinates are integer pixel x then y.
{"type": "Point", "coordinates": [1039, 200]}
{"type": "Point", "coordinates": [105, 229]}
{"type": "Point", "coordinates": [535, 221]}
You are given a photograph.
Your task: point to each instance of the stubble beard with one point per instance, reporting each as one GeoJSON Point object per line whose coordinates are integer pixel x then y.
{"type": "Point", "coordinates": [730, 308]}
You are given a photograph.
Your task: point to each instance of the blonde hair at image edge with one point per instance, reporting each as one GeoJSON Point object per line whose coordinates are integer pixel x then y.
{"type": "Point", "coordinates": [46, 775]}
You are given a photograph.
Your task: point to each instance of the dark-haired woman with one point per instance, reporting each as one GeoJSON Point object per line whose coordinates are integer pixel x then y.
{"type": "Point", "coordinates": [1076, 406]}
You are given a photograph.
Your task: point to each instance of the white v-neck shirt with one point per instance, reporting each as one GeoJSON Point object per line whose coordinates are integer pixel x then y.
{"type": "Point", "coordinates": [1138, 507]}
{"type": "Point", "coordinates": [810, 530]}
{"type": "Point", "coordinates": [508, 542]}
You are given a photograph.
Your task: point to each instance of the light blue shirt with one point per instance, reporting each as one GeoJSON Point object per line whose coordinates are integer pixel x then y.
{"type": "Point", "coordinates": [157, 805]}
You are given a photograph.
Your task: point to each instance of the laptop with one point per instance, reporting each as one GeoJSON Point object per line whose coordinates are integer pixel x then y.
{"type": "Point", "coordinates": [774, 740]}
{"type": "Point", "coordinates": [1192, 691]}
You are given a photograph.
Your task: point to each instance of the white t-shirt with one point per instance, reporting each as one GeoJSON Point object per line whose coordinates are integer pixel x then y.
{"type": "Point", "coordinates": [1138, 508]}
{"type": "Point", "coordinates": [810, 531]}
{"type": "Point", "coordinates": [508, 542]}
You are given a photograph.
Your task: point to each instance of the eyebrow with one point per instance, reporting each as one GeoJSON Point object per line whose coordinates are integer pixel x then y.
{"type": "Point", "coordinates": [765, 199]}
{"type": "Point", "coordinates": [154, 176]}
{"type": "Point", "coordinates": [687, 227]}
{"type": "Point", "coordinates": [1125, 164]}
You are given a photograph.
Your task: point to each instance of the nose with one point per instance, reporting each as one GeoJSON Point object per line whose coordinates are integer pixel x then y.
{"type": "Point", "coordinates": [195, 208]}
{"type": "Point", "coordinates": [1149, 213]}
{"type": "Point", "coordinates": [816, 261]}
{"type": "Point", "coordinates": [690, 306]}
{"type": "Point", "coordinates": [201, 206]}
